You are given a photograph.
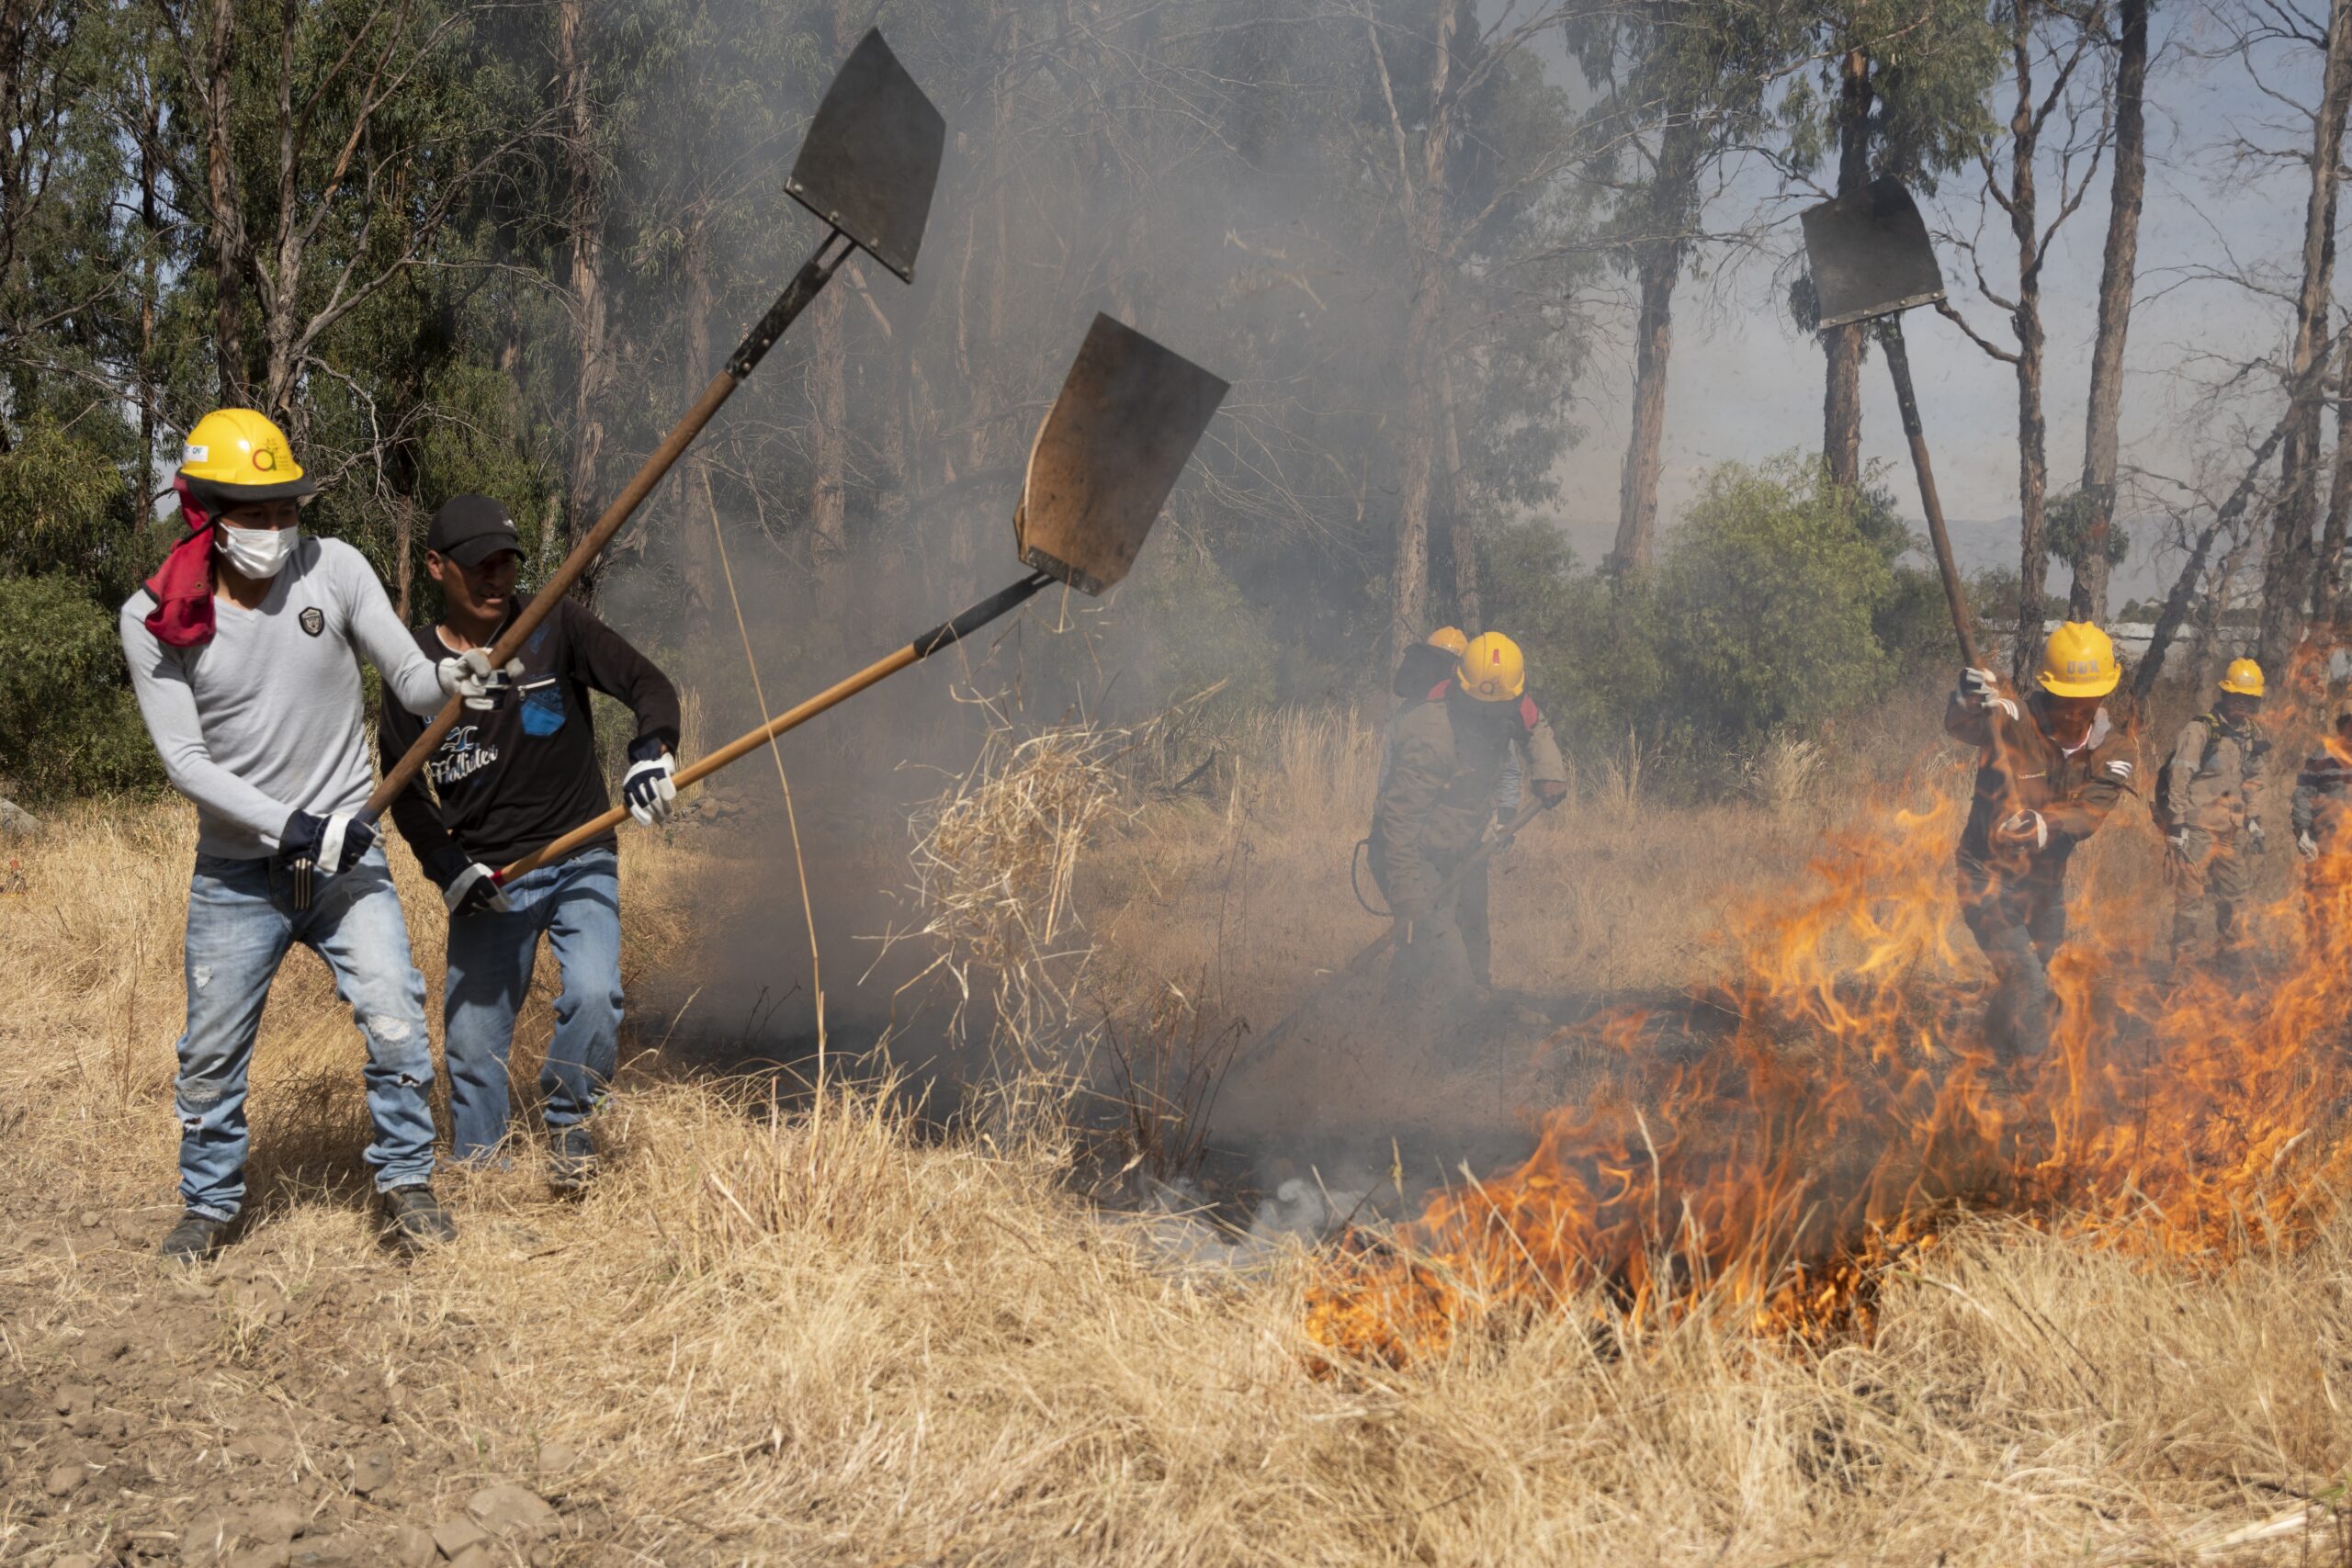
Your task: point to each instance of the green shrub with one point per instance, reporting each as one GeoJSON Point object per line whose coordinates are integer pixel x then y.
{"type": "Point", "coordinates": [1768, 597]}
{"type": "Point", "coordinates": [68, 723]}
{"type": "Point", "coordinates": [1776, 604]}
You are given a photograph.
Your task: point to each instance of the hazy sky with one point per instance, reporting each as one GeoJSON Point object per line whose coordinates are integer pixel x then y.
{"type": "Point", "coordinates": [1745, 384]}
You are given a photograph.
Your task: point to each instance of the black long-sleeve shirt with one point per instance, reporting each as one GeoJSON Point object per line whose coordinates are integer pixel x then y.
{"type": "Point", "coordinates": [506, 782]}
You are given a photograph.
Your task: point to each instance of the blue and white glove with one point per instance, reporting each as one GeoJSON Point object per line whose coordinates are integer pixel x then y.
{"type": "Point", "coordinates": [471, 676]}
{"type": "Point", "coordinates": [475, 890]}
{"type": "Point", "coordinates": [313, 847]}
{"type": "Point", "coordinates": [647, 788]}
{"type": "Point", "coordinates": [333, 844]}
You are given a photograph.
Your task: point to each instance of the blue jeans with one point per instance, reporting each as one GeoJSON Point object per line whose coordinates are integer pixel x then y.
{"type": "Point", "coordinates": [240, 921]}
{"type": "Point", "coordinates": [577, 904]}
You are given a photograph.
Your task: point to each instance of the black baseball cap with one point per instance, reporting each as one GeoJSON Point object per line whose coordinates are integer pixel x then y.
{"type": "Point", "coordinates": [470, 529]}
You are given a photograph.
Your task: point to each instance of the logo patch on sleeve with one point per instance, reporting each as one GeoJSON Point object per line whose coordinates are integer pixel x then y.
{"type": "Point", "coordinates": [314, 620]}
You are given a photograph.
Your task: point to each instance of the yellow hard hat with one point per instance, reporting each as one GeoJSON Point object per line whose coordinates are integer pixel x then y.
{"type": "Point", "coordinates": [237, 455]}
{"type": "Point", "coordinates": [1492, 668]}
{"type": "Point", "coordinates": [1450, 639]}
{"type": "Point", "coordinates": [2244, 677]}
{"type": "Point", "coordinates": [2080, 662]}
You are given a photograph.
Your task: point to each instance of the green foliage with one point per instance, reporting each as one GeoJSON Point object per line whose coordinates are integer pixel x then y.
{"type": "Point", "coordinates": [68, 511]}
{"type": "Point", "coordinates": [68, 723]}
{"type": "Point", "coordinates": [1779, 603]}
{"type": "Point", "coordinates": [1768, 592]}
{"type": "Point", "coordinates": [2066, 529]}
{"type": "Point", "coordinates": [1194, 629]}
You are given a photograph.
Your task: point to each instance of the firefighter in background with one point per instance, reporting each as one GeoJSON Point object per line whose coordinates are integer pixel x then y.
{"type": "Point", "coordinates": [2324, 795]}
{"type": "Point", "coordinates": [1436, 800]}
{"type": "Point", "coordinates": [2207, 804]}
{"type": "Point", "coordinates": [2050, 768]}
{"type": "Point", "coordinates": [2321, 813]}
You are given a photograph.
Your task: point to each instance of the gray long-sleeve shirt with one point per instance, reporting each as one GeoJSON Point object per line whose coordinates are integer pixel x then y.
{"type": "Point", "coordinates": [265, 719]}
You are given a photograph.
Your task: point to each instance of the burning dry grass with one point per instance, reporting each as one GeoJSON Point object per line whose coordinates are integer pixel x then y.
{"type": "Point", "coordinates": [818, 1336]}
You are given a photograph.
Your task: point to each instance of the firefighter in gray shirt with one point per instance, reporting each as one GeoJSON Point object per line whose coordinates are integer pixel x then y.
{"type": "Point", "coordinates": [243, 651]}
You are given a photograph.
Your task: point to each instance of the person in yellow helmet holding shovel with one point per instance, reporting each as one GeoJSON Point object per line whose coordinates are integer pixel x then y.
{"type": "Point", "coordinates": [2209, 805]}
{"type": "Point", "coordinates": [1446, 762]}
{"type": "Point", "coordinates": [245, 652]}
{"type": "Point", "coordinates": [2050, 768]}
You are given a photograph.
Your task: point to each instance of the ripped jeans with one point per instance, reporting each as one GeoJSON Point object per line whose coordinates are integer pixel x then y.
{"type": "Point", "coordinates": [240, 921]}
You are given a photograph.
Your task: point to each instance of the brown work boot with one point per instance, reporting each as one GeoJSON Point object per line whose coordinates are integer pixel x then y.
{"type": "Point", "coordinates": [414, 1219]}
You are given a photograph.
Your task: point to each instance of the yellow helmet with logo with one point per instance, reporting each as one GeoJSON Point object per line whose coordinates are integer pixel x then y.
{"type": "Point", "coordinates": [2080, 662]}
{"type": "Point", "coordinates": [1450, 639]}
{"type": "Point", "coordinates": [1492, 668]}
{"type": "Point", "coordinates": [238, 455]}
{"type": "Point", "coordinates": [2243, 677]}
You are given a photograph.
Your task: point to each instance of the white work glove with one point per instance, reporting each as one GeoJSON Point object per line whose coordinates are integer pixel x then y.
{"type": "Point", "coordinates": [651, 795]}
{"type": "Point", "coordinates": [2254, 836]}
{"type": "Point", "coordinates": [473, 890]}
{"type": "Point", "coordinates": [1981, 689]}
{"type": "Point", "coordinates": [2178, 842]}
{"type": "Point", "coordinates": [2026, 828]}
{"type": "Point", "coordinates": [2307, 846]}
{"type": "Point", "coordinates": [470, 675]}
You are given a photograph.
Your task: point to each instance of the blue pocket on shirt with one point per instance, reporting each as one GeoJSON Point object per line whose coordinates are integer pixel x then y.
{"type": "Point", "coordinates": [542, 706]}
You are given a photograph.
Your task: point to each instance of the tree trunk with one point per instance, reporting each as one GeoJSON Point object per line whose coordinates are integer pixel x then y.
{"type": "Point", "coordinates": [2118, 272]}
{"type": "Point", "coordinates": [227, 247]}
{"type": "Point", "coordinates": [586, 218]}
{"type": "Point", "coordinates": [2033, 456]}
{"type": "Point", "coordinates": [698, 517]}
{"type": "Point", "coordinates": [1658, 268]}
{"type": "Point", "coordinates": [1464, 541]}
{"type": "Point", "coordinates": [2325, 588]}
{"type": "Point", "coordinates": [827, 504]}
{"type": "Point", "coordinates": [1841, 403]}
{"type": "Point", "coordinates": [1425, 236]}
{"type": "Point", "coordinates": [2285, 584]}
{"type": "Point", "coordinates": [151, 221]}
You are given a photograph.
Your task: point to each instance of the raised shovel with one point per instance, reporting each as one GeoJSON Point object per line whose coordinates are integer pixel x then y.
{"type": "Point", "coordinates": [867, 169]}
{"type": "Point", "coordinates": [1872, 261]}
{"type": "Point", "coordinates": [1129, 414]}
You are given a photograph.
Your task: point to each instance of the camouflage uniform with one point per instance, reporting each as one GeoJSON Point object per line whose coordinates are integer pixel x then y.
{"type": "Point", "coordinates": [2212, 784]}
{"type": "Point", "coordinates": [1437, 796]}
{"type": "Point", "coordinates": [2013, 894]}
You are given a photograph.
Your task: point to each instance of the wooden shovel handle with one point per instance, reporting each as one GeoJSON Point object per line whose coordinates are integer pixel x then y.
{"type": "Point", "coordinates": [942, 635]}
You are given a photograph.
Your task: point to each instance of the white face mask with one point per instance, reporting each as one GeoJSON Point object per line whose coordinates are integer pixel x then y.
{"type": "Point", "coordinates": [257, 553]}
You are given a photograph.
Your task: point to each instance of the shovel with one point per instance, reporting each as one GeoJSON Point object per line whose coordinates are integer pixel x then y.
{"type": "Point", "coordinates": [1871, 260]}
{"type": "Point", "coordinates": [867, 169]}
{"type": "Point", "coordinates": [1129, 414]}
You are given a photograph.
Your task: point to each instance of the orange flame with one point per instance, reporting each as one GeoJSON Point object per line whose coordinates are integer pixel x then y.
{"type": "Point", "coordinates": [1770, 1148]}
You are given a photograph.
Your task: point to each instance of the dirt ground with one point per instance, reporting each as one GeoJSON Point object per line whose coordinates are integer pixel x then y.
{"type": "Point", "coordinates": [828, 1335]}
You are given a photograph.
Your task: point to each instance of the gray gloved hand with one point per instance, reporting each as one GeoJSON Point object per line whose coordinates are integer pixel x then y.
{"type": "Point", "coordinates": [2178, 843]}
{"type": "Point", "coordinates": [2255, 837]}
{"type": "Point", "coordinates": [2307, 846]}
{"type": "Point", "coordinates": [470, 676]}
{"type": "Point", "coordinates": [473, 890]}
{"type": "Point", "coordinates": [1981, 689]}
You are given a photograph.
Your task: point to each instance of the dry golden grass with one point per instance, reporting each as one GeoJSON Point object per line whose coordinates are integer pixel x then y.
{"type": "Point", "coordinates": [817, 1337]}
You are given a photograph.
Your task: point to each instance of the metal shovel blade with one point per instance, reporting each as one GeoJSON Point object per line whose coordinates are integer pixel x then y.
{"type": "Point", "coordinates": [1129, 414]}
{"type": "Point", "coordinates": [872, 156]}
{"type": "Point", "coordinates": [1871, 255]}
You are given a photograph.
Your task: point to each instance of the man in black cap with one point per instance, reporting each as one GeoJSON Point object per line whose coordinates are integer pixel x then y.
{"type": "Point", "coordinates": [504, 784]}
